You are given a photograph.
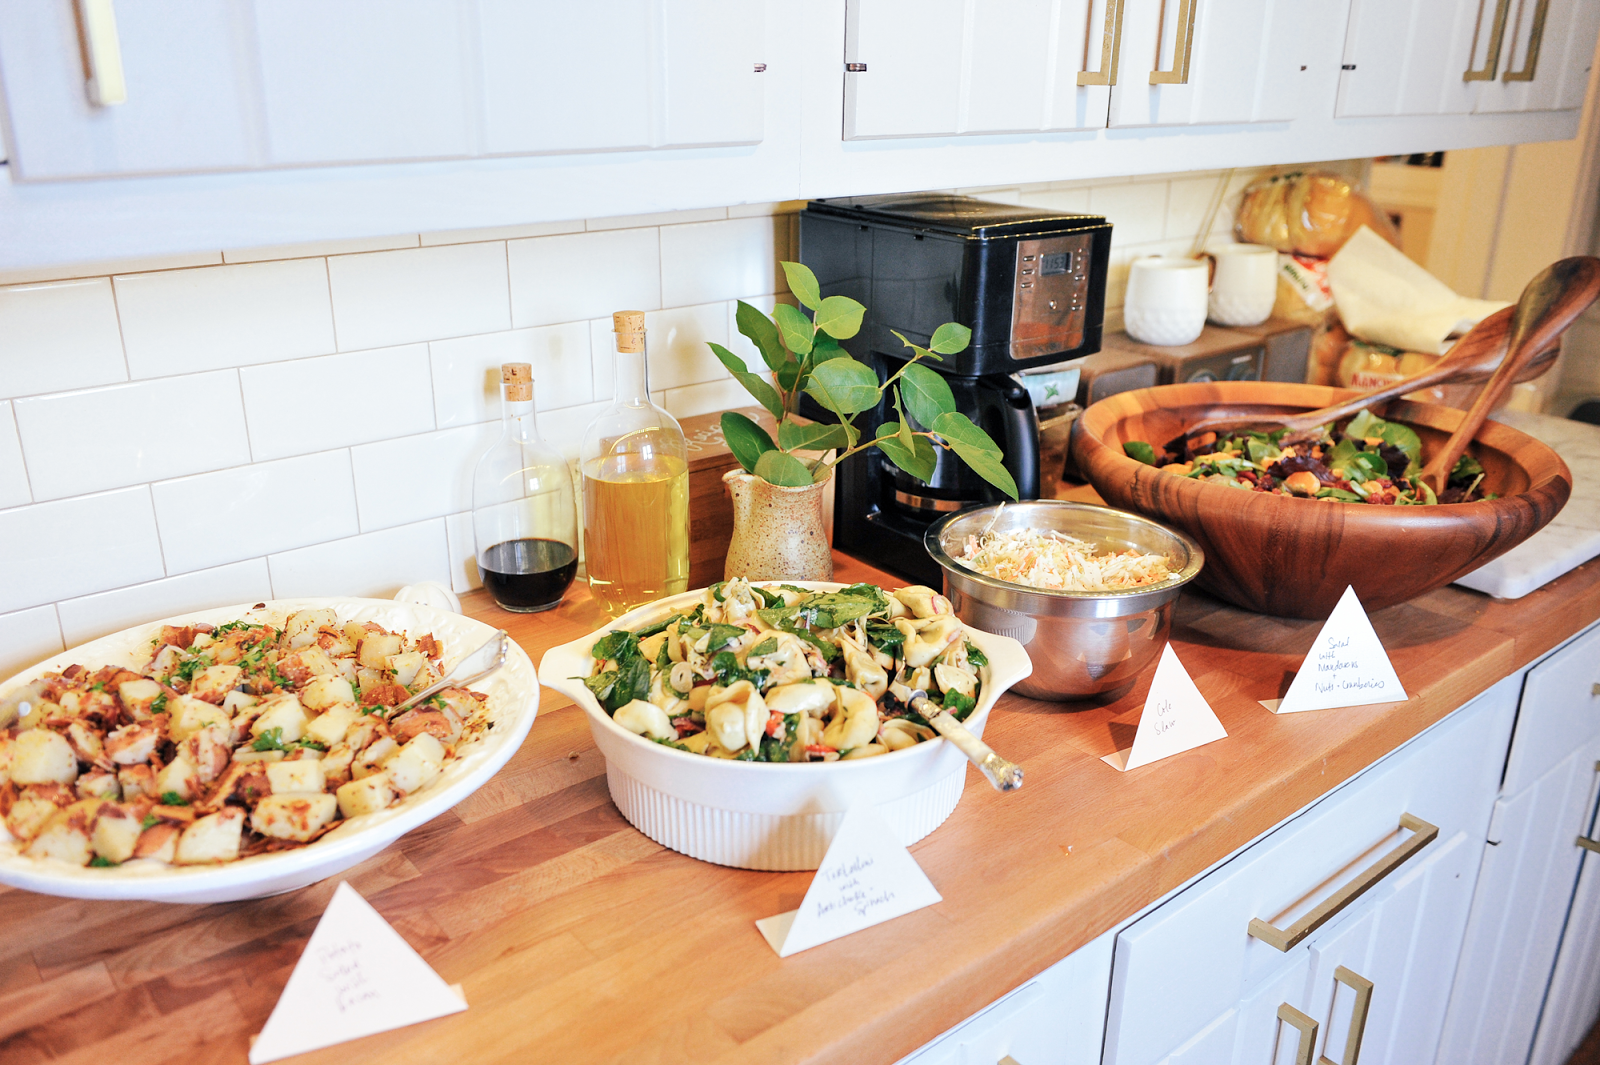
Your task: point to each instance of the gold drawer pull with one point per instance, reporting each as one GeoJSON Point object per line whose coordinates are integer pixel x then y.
{"type": "Point", "coordinates": [1358, 1016]}
{"type": "Point", "coordinates": [1530, 61]}
{"type": "Point", "coordinates": [1307, 1029]}
{"type": "Point", "coordinates": [1491, 62]}
{"type": "Point", "coordinates": [1286, 939]}
{"type": "Point", "coordinates": [1182, 48]}
{"type": "Point", "coordinates": [1589, 844]}
{"type": "Point", "coordinates": [1110, 48]}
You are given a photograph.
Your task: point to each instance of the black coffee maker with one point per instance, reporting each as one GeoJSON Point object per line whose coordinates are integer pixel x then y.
{"type": "Point", "coordinates": [1030, 285]}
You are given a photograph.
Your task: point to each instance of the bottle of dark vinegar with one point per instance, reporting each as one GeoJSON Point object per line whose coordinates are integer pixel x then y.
{"type": "Point", "coordinates": [524, 521]}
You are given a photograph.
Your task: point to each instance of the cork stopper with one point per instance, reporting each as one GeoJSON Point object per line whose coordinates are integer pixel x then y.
{"type": "Point", "coordinates": [629, 327]}
{"type": "Point", "coordinates": [518, 379]}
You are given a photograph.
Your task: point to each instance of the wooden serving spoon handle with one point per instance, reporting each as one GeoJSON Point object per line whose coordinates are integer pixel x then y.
{"type": "Point", "coordinates": [1550, 303]}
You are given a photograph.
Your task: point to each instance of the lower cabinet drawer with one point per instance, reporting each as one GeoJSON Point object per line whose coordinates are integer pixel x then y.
{"type": "Point", "coordinates": [1057, 1018]}
{"type": "Point", "coordinates": [1367, 894]}
{"type": "Point", "coordinates": [1560, 710]}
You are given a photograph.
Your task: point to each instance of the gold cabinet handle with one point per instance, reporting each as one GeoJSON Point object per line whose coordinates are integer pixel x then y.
{"type": "Point", "coordinates": [1182, 48]}
{"type": "Point", "coordinates": [1358, 1016]}
{"type": "Point", "coordinates": [1285, 939]}
{"type": "Point", "coordinates": [1589, 844]}
{"type": "Point", "coordinates": [101, 54]}
{"type": "Point", "coordinates": [1110, 49]}
{"type": "Point", "coordinates": [1491, 62]}
{"type": "Point", "coordinates": [1307, 1029]}
{"type": "Point", "coordinates": [1530, 61]}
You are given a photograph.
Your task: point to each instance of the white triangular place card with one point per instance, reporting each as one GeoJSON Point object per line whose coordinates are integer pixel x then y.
{"type": "Point", "coordinates": [1346, 666]}
{"type": "Point", "coordinates": [867, 877]}
{"type": "Point", "coordinates": [1176, 718]}
{"type": "Point", "coordinates": [356, 977]}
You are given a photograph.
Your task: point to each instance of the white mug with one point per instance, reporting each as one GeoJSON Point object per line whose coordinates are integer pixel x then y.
{"type": "Point", "coordinates": [1166, 300]}
{"type": "Point", "coordinates": [1244, 284]}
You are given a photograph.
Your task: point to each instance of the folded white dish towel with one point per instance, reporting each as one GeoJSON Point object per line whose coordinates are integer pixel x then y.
{"type": "Point", "coordinates": [1386, 298]}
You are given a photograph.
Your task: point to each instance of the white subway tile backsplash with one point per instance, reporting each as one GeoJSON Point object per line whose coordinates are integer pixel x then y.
{"type": "Point", "coordinates": [660, 218]}
{"type": "Point", "coordinates": [183, 321]}
{"type": "Point", "coordinates": [754, 210]}
{"type": "Point", "coordinates": [13, 475]}
{"type": "Point", "coordinates": [678, 338]}
{"type": "Point", "coordinates": [584, 275]}
{"type": "Point", "coordinates": [27, 637]}
{"type": "Point", "coordinates": [466, 371]}
{"type": "Point", "coordinates": [75, 546]}
{"type": "Point", "coordinates": [93, 616]}
{"type": "Point", "coordinates": [416, 477]}
{"type": "Point", "coordinates": [716, 260]}
{"type": "Point", "coordinates": [1075, 200]}
{"type": "Point", "coordinates": [163, 428]}
{"type": "Point", "coordinates": [107, 267]}
{"type": "Point", "coordinates": [337, 400]}
{"type": "Point", "coordinates": [397, 297]}
{"type": "Point", "coordinates": [564, 428]}
{"type": "Point", "coordinates": [372, 564]}
{"type": "Point", "coordinates": [690, 400]}
{"type": "Point", "coordinates": [57, 336]}
{"type": "Point", "coordinates": [1138, 213]}
{"type": "Point", "coordinates": [254, 510]}
{"type": "Point", "coordinates": [1188, 203]}
{"type": "Point", "coordinates": [317, 249]}
{"type": "Point", "coordinates": [468, 236]}
{"type": "Point", "coordinates": [463, 554]}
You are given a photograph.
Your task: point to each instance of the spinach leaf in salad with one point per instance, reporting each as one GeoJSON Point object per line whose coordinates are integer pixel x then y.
{"type": "Point", "coordinates": [959, 706]}
{"type": "Point", "coordinates": [1367, 426]}
{"type": "Point", "coordinates": [726, 666]}
{"type": "Point", "coordinates": [1140, 451]}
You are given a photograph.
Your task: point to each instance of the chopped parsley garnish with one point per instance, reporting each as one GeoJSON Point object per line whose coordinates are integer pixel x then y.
{"type": "Point", "coordinates": [172, 798]}
{"type": "Point", "coordinates": [158, 705]}
{"type": "Point", "coordinates": [100, 862]}
{"type": "Point", "coordinates": [186, 670]}
{"type": "Point", "coordinates": [270, 740]}
{"type": "Point", "coordinates": [150, 821]}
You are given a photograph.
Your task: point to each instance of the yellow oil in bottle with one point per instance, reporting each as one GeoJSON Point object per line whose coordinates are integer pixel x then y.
{"type": "Point", "coordinates": [635, 528]}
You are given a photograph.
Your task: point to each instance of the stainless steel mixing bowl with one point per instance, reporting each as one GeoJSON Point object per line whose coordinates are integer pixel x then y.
{"type": "Point", "coordinates": [1083, 644]}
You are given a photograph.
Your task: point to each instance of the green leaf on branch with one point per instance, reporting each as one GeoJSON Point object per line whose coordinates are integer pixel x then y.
{"type": "Point", "coordinates": [950, 338]}
{"type": "Point", "coordinates": [927, 394]}
{"type": "Point", "coordinates": [803, 283]}
{"type": "Point", "coordinates": [844, 386]}
{"type": "Point", "coordinates": [917, 352]}
{"type": "Point", "coordinates": [917, 460]}
{"type": "Point", "coordinates": [755, 384]}
{"type": "Point", "coordinates": [747, 440]}
{"type": "Point", "coordinates": [815, 437]}
{"type": "Point", "coordinates": [840, 317]}
{"type": "Point", "coordinates": [974, 447]}
{"type": "Point", "coordinates": [824, 347]}
{"type": "Point", "coordinates": [781, 468]}
{"type": "Point", "coordinates": [795, 328]}
{"type": "Point", "coordinates": [821, 473]}
{"type": "Point", "coordinates": [762, 333]}
{"type": "Point", "coordinates": [788, 374]}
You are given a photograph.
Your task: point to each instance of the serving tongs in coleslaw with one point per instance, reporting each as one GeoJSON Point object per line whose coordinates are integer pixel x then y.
{"type": "Point", "coordinates": [1004, 775]}
{"type": "Point", "coordinates": [474, 667]}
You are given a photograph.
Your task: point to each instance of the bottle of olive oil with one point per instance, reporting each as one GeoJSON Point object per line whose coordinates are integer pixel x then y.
{"type": "Point", "coordinates": [635, 487]}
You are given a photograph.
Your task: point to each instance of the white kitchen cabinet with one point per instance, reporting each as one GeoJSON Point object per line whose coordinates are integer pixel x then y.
{"type": "Point", "coordinates": [1191, 983]}
{"type": "Point", "coordinates": [922, 68]}
{"type": "Point", "coordinates": [1544, 61]}
{"type": "Point", "coordinates": [1573, 1003]}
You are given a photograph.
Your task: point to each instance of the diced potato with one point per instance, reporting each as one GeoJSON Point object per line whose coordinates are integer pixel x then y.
{"type": "Point", "coordinates": [116, 833]}
{"type": "Point", "coordinates": [367, 795]}
{"type": "Point", "coordinates": [303, 625]}
{"type": "Point", "coordinates": [258, 756]}
{"type": "Point", "coordinates": [300, 775]}
{"type": "Point", "coordinates": [43, 757]}
{"type": "Point", "coordinates": [330, 726]}
{"type": "Point", "coordinates": [376, 753]}
{"type": "Point", "coordinates": [282, 712]}
{"type": "Point", "coordinates": [190, 715]}
{"type": "Point", "coordinates": [137, 695]}
{"type": "Point", "coordinates": [8, 750]}
{"type": "Point", "coordinates": [158, 842]}
{"type": "Point", "coordinates": [324, 692]}
{"type": "Point", "coordinates": [336, 643]}
{"type": "Point", "coordinates": [65, 836]}
{"type": "Point", "coordinates": [416, 765]}
{"type": "Point", "coordinates": [38, 713]}
{"type": "Point", "coordinates": [235, 701]}
{"type": "Point", "coordinates": [18, 702]}
{"type": "Point", "coordinates": [296, 817]}
{"type": "Point", "coordinates": [405, 666]}
{"type": "Point", "coordinates": [368, 679]}
{"type": "Point", "coordinates": [355, 632]}
{"type": "Point", "coordinates": [180, 777]}
{"type": "Point", "coordinates": [98, 784]}
{"type": "Point", "coordinates": [85, 742]}
{"type": "Point", "coordinates": [213, 683]}
{"type": "Point", "coordinates": [336, 763]}
{"type": "Point", "coordinates": [212, 838]}
{"type": "Point", "coordinates": [377, 647]}
{"type": "Point", "coordinates": [347, 670]}
{"type": "Point", "coordinates": [137, 781]}
{"type": "Point", "coordinates": [209, 750]}
{"type": "Point", "coordinates": [28, 815]}
{"type": "Point", "coordinates": [133, 744]}
{"type": "Point", "coordinates": [308, 662]}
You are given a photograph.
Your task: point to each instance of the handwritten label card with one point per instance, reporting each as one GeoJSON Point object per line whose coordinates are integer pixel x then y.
{"type": "Point", "coordinates": [356, 977]}
{"type": "Point", "coordinates": [1346, 666]}
{"type": "Point", "coordinates": [1176, 718]}
{"type": "Point", "coordinates": [867, 877]}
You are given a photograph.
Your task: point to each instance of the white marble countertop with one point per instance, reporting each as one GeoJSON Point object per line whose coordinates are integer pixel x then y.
{"type": "Point", "coordinates": [1574, 536]}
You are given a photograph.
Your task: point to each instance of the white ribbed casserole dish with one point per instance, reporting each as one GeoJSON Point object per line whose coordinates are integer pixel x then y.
{"type": "Point", "coordinates": [513, 702]}
{"type": "Point", "coordinates": [759, 815]}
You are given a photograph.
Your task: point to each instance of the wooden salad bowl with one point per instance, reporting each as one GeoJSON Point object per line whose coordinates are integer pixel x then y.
{"type": "Point", "coordinates": [1293, 557]}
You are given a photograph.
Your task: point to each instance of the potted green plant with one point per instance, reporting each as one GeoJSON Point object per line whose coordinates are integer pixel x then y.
{"type": "Point", "coordinates": [777, 494]}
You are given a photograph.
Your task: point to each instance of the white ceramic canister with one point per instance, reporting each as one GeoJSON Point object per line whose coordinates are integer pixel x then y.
{"type": "Point", "coordinates": [1244, 284]}
{"type": "Point", "coordinates": [1166, 300]}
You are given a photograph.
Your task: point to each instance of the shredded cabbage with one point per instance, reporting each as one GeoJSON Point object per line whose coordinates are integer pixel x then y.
{"type": "Point", "coordinates": [1058, 562]}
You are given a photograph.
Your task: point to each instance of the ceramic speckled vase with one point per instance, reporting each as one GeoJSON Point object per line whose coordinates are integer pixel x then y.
{"type": "Point", "coordinates": [778, 533]}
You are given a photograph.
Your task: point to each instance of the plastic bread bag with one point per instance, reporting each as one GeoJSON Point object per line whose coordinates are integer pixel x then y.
{"type": "Point", "coordinates": [1307, 213]}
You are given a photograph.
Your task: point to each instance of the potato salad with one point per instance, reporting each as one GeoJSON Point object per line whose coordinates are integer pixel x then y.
{"type": "Point", "coordinates": [258, 735]}
{"type": "Point", "coordinates": [776, 673]}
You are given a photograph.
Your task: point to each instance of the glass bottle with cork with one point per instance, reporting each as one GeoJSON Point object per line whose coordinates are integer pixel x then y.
{"type": "Point", "coordinates": [635, 487]}
{"type": "Point", "coordinates": [524, 521]}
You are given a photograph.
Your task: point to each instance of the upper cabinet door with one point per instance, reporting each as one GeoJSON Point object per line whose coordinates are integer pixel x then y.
{"type": "Point", "coordinates": [1193, 62]}
{"type": "Point", "coordinates": [1546, 52]}
{"type": "Point", "coordinates": [942, 68]}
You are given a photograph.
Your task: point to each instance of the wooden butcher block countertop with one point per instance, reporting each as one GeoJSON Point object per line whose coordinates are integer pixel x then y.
{"type": "Point", "coordinates": [577, 939]}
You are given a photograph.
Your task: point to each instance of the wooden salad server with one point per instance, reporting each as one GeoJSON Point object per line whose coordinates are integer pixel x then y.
{"type": "Point", "coordinates": [1474, 357]}
{"type": "Point", "coordinates": [1553, 299]}
{"type": "Point", "coordinates": [1004, 775]}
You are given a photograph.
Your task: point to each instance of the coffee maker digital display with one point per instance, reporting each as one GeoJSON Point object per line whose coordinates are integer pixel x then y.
{"type": "Point", "coordinates": [1030, 284]}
